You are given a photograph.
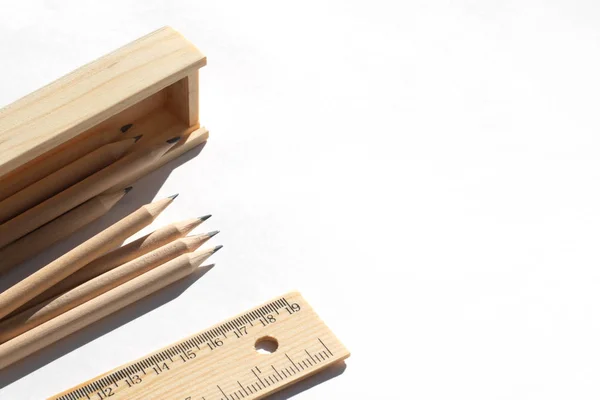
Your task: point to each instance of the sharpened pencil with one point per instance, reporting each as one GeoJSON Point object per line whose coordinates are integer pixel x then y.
{"type": "Point", "coordinates": [188, 142]}
{"type": "Point", "coordinates": [62, 179]}
{"type": "Point", "coordinates": [82, 191]}
{"type": "Point", "coordinates": [119, 256]}
{"type": "Point", "coordinates": [107, 303]}
{"type": "Point", "coordinates": [37, 315]}
{"type": "Point", "coordinates": [28, 174]}
{"type": "Point", "coordinates": [62, 227]}
{"type": "Point", "coordinates": [43, 279]}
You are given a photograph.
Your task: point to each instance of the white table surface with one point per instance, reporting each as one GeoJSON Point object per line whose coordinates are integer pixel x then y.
{"type": "Point", "coordinates": [425, 173]}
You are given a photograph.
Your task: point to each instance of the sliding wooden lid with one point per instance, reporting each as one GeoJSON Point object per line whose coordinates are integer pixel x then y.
{"type": "Point", "coordinates": [76, 102]}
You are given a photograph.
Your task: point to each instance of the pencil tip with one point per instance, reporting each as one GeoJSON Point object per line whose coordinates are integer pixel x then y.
{"type": "Point", "coordinates": [173, 197]}
{"type": "Point", "coordinates": [213, 233]}
{"type": "Point", "coordinates": [128, 189]}
{"type": "Point", "coordinates": [125, 128]}
{"type": "Point", "coordinates": [205, 217]}
{"type": "Point", "coordinates": [136, 138]}
{"type": "Point", "coordinates": [174, 140]}
{"type": "Point", "coordinates": [217, 248]}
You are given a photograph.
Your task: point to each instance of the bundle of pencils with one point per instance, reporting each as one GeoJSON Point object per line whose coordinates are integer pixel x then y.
{"type": "Point", "coordinates": [97, 277]}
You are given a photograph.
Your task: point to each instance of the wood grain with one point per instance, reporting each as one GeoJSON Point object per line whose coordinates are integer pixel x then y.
{"type": "Point", "coordinates": [62, 227]}
{"type": "Point", "coordinates": [86, 97]}
{"type": "Point", "coordinates": [183, 99]}
{"type": "Point", "coordinates": [52, 161]}
{"type": "Point", "coordinates": [30, 287]}
{"type": "Point", "coordinates": [222, 362]}
{"type": "Point", "coordinates": [99, 307]}
{"type": "Point", "coordinates": [62, 179]}
{"type": "Point", "coordinates": [122, 170]}
{"type": "Point", "coordinates": [189, 141]}
{"type": "Point", "coordinates": [117, 257]}
{"type": "Point", "coordinates": [37, 315]}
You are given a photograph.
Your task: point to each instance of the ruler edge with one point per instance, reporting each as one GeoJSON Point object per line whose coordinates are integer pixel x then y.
{"type": "Point", "coordinates": [344, 357]}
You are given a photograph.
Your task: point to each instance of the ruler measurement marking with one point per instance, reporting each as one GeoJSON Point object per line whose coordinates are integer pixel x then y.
{"type": "Point", "coordinates": [222, 391]}
{"type": "Point", "coordinates": [311, 357]}
{"type": "Point", "coordinates": [288, 357]}
{"type": "Point", "coordinates": [276, 371]}
{"type": "Point", "coordinates": [242, 387]}
{"type": "Point", "coordinates": [259, 379]}
{"type": "Point", "coordinates": [326, 348]}
{"type": "Point", "coordinates": [275, 309]}
{"type": "Point", "coordinates": [179, 354]}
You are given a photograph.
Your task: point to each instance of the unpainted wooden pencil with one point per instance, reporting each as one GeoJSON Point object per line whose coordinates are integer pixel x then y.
{"type": "Point", "coordinates": [188, 141]}
{"type": "Point", "coordinates": [65, 177]}
{"type": "Point", "coordinates": [37, 315]}
{"type": "Point", "coordinates": [56, 230]}
{"type": "Point", "coordinates": [25, 290]}
{"type": "Point", "coordinates": [31, 173]}
{"type": "Point", "coordinates": [107, 303]}
{"type": "Point", "coordinates": [82, 191]}
{"type": "Point", "coordinates": [119, 256]}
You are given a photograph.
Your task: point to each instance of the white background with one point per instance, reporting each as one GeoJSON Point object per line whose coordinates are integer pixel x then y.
{"type": "Point", "coordinates": [425, 173]}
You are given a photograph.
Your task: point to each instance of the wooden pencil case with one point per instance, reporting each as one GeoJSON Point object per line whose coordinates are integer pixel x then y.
{"type": "Point", "coordinates": [149, 86]}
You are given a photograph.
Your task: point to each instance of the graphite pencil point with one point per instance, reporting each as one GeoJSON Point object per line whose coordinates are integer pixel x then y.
{"type": "Point", "coordinates": [125, 128]}
{"type": "Point", "coordinates": [213, 233]}
{"type": "Point", "coordinates": [173, 197]}
{"type": "Point", "coordinates": [217, 248]}
{"type": "Point", "coordinates": [205, 217]}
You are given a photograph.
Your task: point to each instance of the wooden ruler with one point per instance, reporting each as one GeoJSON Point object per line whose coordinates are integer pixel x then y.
{"type": "Point", "coordinates": [223, 363]}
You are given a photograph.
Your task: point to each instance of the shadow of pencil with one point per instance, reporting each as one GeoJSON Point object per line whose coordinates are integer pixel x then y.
{"type": "Point", "coordinates": [99, 328]}
{"type": "Point", "coordinates": [317, 379]}
{"type": "Point", "coordinates": [144, 191]}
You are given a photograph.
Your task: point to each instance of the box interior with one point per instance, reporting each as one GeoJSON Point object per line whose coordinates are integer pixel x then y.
{"type": "Point", "coordinates": [161, 115]}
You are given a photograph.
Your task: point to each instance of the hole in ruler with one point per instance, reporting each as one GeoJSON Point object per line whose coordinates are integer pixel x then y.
{"type": "Point", "coordinates": [266, 345]}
